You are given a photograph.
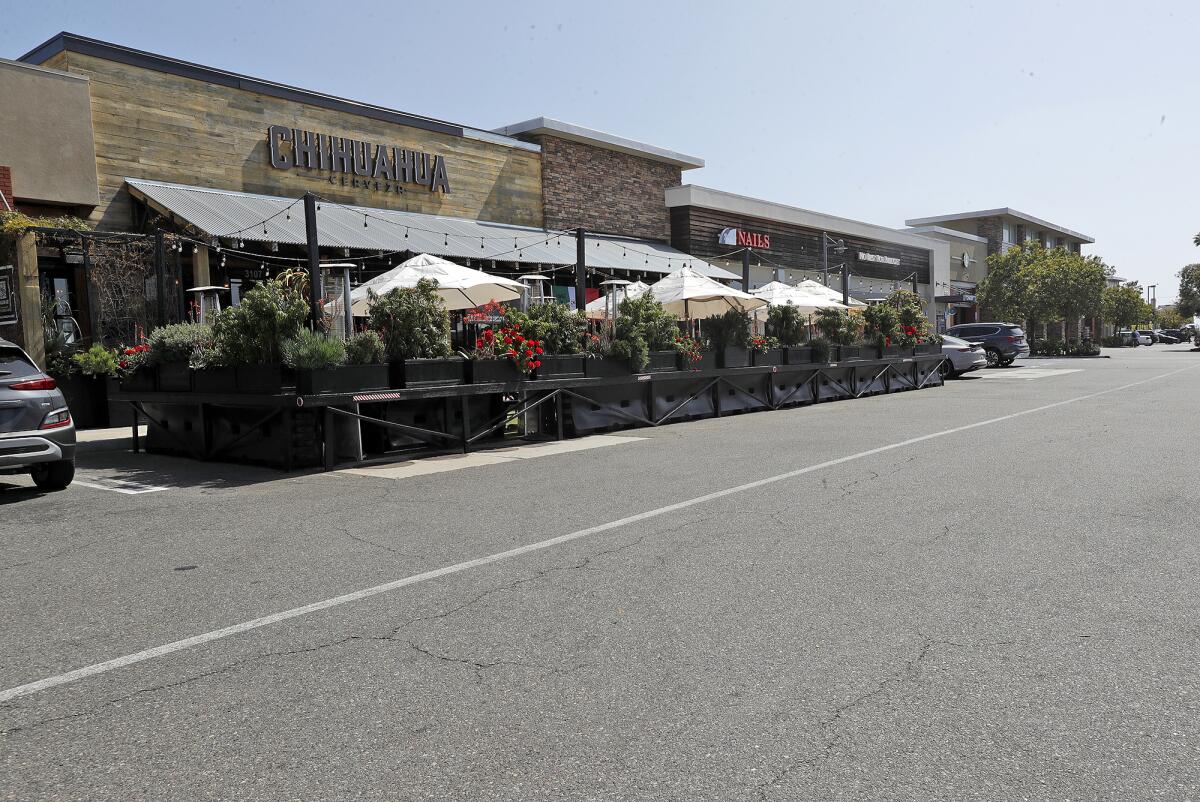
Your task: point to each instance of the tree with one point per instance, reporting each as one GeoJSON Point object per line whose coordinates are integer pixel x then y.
{"type": "Point", "coordinates": [1002, 293]}
{"type": "Point", "coordinates": [1122, 306]}
{"type": "Point", "coordinates": [1168, 317]}
{"type": "Point", "coordinates": [1189, 290]}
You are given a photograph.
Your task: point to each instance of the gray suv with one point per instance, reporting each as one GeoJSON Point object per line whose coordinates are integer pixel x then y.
{"type": "Point", "coordinates": [1002, 342]}
{"type": "Point", "coordinates": [37, 435]}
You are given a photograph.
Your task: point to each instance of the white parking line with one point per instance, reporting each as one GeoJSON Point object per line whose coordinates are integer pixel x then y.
{"type": "Point", "coordinates": [387, 587]}
{"type": "Point", "coordinates": [127, 487]}
{"type": "Point", "coordinates": [1027, 373]}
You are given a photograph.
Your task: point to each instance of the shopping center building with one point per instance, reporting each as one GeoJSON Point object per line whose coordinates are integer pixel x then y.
{"type": "Point", "coordinates": [137, 142]}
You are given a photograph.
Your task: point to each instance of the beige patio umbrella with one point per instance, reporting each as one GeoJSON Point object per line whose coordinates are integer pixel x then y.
{"type": "Point", "coordinates": [817, 288]}
{"type": "Point", "coordinates": [599, 307]}
{"type": "Point", "coordinates": [779, 294]}
{"type": "Point", "coordinates": [692, 296]}
{"type": "Point", "coordinates": [459, 287]}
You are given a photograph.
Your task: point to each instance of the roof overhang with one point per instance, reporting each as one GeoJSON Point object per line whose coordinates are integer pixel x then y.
{"type": "Point", "coordinates": [946, 232]}
{"type": "Point", "coordinates": [243, 216]}
{"type": "Point", "coordinates": [1002, 212]}
{"type": "Point", "coordinates": [599, 139]}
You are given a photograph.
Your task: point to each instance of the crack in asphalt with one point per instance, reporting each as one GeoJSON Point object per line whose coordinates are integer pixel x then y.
{"type": "Point", "coordinates": [829, 725]}
{"type": "Point", "coordinates": [478, 665]}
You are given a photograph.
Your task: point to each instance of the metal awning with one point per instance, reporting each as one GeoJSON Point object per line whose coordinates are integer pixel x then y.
{"type": "Point", "coordinates": [267, 218]}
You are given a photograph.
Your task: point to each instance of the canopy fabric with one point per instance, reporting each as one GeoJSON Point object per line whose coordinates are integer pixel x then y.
{"type": "Point", "coordinates": [599, 307]}
{"type": "Point", "coordinates": [816, 288]}
{"type": "Point", "coordinates": [687, 294]}
{"type": "Point", "coordinates": [270, 218]}
{"type": "Point", "coordinates": [779, 294]}
{"type": "Point", "coordinates": [459, 287]}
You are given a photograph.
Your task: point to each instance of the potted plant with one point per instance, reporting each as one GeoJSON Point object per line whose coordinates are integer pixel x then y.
{"type": "Point", "coordinates": [839, 328]}
{"type": "Point", "coordinates": [765, 351]}
{"type": "Point", "coordinates": [248, 337]}
{"type": "Point", "coordinates": [729, 334]}
{"type": "Point", "coordinates": [504, 355]}
{"type": "Point", "coordinates": [170, 351]}
{"type": "Point", "coordinates": [881, 326]}
{"type": "Point", "coordinates": [689, 353]}
{"type": "Point", "coordinates": [85, 387]}
{"type": "Point", "coordinates": [415, 329]}
{"type": "Point", "coordinates": [786, 325]}
{"type": "Point", "coordinates": [643, 338]}
{"type": "Point", "coordinates": [561, 332]}
{"type": "Point", "coordinates": [915, 331]}
{"type": "Point", "coordinates": [318, 362]}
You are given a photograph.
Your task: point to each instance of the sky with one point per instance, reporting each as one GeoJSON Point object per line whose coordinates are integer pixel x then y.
{"type": "Point", "coordinates": [1080, 113]}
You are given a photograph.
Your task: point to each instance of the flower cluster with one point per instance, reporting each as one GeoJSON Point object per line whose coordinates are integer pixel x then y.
{"type": "Point", "coordinates": [133, 357]}
{"type": "Point", "coordinates": [763, 344]}
{"type": "Point", "coordinates": [593, 344]}
{"type": "Point", "coordinates": [491, 311]}
{"type": "Point", "coordinates": [525, 352]}
{"type": "Point", "coordinates": [690, 349]}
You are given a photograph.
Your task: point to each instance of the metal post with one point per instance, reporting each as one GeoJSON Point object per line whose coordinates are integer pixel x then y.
{"type": "Point", "coordinates": [346, 300]}
{"type": "Point", "coordinates": [845, 285]}
{"type": "Point", "coordinates": [824, 258]}
{"type": "Point", "coordinates": [580, 269]}
{"type": "Point", "coordinates": [915, 285]}
{"type": "Point", "coordinates": [745, 270]}
{"type": "Point", "coordinates": [159, 259]}
{"type": "Point", "coordinates": [314, 258]}
{"type": "Point", "coordinates": [85, 246]}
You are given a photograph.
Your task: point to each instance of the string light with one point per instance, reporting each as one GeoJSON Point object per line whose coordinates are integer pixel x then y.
{"type": "Point", "coordinates": [364, 221]}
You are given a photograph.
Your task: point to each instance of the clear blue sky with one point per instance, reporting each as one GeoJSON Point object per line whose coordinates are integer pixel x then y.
{"type": "Point", "coordinates": [876, 111]}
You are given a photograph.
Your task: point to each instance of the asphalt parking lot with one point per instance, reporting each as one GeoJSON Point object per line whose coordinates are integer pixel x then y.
{"type": "Point", "coordinates": [980, 591]}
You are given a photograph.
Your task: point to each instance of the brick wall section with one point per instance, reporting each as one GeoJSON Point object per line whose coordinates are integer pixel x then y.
{"type": "Point", "coordinates": [992, 229]}
{"type": "Point", "coordinates": [6, 188]}
{"type": "Point", "coordinates": [603, 190]}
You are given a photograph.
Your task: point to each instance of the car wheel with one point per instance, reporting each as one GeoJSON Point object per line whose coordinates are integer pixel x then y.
{"type": "Point", "coordinates": [946, 371]}
{"type": "Point", "coordinates": [53, 475]}
{"type": "Point", "coordinates": [1007, 361]}
{"type": "Point", "coordinates": [993, 357]}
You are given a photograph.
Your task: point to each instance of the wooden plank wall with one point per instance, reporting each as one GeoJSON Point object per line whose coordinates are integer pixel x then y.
{"type": "Point", "coordinates": [162, 127]}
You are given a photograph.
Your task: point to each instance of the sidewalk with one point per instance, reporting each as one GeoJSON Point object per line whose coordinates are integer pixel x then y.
{"type": "Point", "coordinates": [92, 441]}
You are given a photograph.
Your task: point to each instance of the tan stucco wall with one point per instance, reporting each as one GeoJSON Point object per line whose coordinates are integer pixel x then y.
{"type": "Point", "coordinates": [162, 127]}
{"type": "Point", "coordinates": [46, 135]}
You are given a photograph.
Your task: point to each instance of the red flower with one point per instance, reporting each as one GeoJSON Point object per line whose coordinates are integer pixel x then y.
{"type": "Point", "coordinates": [478, 342]}
{"type": "Point", "coordinates": [537, 364]}
{"type": "Point", "coordinates": [539, 349]}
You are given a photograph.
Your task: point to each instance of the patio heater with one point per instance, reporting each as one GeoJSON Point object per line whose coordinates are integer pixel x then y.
{"type": "Point", "coordinates": [208, 302]}
{"type": "Point", "coordinates": [535, 289]}
{"type": "Point", "coordinates": [614, 294]}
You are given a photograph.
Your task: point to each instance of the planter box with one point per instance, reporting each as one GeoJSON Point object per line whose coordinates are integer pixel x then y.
{"type": "Point", "coordinates": [87, 398]}
{"type": "Point", "coordinates": [892, 351]}
{"type": "Point", "coordinates": [437, 372]}
{"type": "Point", "coordinates": [663, 361]}
{"type": "Point", "coordinates": [141, 381]}
{"type": "Point", "coordinates": [708, 361]}
{"type": "Point", "coordinates": [732, 357]}
{"type": "Point", "coordinates": [802, 355]}
{"type": "Point", "coordinates": [262, 379]}
{"type": "Point", "coordinates": [927, 348]}
{"type": "Point", "coordinates": [342, 379]}
{"type": "Point", "coordinates": [174, 377]}
{"type": "Point", "coordinates": [840, 353]}
{"type": "Point", "coordinates": [773, 356]}
{"type": "Point", "coordinates": [215, 380]}
{"type": "Point", "coordinates": [561, 366]}
{"type": "Point", "coordinates": [606, 367]}
{"type": "Point", "coordinates": [120, 413]}
{"type": "Point", "coordinates": [495, 371]}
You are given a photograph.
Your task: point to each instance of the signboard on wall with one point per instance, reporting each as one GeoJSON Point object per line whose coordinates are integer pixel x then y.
{"type": "Point", "coordinates": [744, 239]}
{"type": "Point", "coordinates": [863, 256]}
{"type": "Point", "coordinates": [8, 295]}
{"type": "Point", "coordinates": [353, 163]}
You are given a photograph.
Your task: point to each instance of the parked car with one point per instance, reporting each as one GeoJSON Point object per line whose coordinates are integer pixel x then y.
{"type": "Point", "coordinates": [1002, 342]}
{"type": "Point", "coordinates": [1151, 335]}
{"type": "Point", "coordinates": [1134, 338]}
{"type": "Point", "coordinates": [961, 356]}
{"type": "Point", "coordinates": [1168, 337]}
{"type": "Point", "coordinates": [37, 434]}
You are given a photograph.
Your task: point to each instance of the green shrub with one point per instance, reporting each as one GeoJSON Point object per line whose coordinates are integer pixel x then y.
{"type": "Point", "coordinates": [252, 332]}
{"type": "Point", "coordinates": [412, 321]}
{"type": "Point", "coordinates": [882, 323]}
{"type": "Point", "coordinates": [634, 349]}
{"type": "Point", "coordinates": [177, 342]}
{"type": "Point", "coordinates": [97, 361]}
{"type": "Point", "coordinates": [729, 330]}
{"type": "Point", "coordinates": [836, 325]}
{"type": "Point", "coordinates": [820, 349]}
{"type": "Point", "coordinates": [365, 348]}
{"type": "Point", "coordinates": [1113, 342]}
{"type": "Point", "coordinates": [312, 350]}
{"type": "Point", "coordinates": [642, 326]}
{"type": "Point", "coordinates": [559, 328]}
{"type": "Point", "coordinates": [785, 323]}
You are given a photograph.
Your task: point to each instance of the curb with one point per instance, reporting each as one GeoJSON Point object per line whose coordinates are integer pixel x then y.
{"type": "Point", "coordinates": [1097, 356]}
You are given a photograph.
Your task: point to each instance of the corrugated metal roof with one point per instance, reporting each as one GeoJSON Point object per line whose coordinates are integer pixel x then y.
{"type": "Point", "coordinates": [267, 218]}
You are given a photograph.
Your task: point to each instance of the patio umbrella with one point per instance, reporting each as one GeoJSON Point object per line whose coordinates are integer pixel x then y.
{"type": "Point", "coordinates": [816, 288]}
{"type": "Point", "coordinates": [690, 295]}
{"type": "Point", "coordinates": [599, 307]}
{"type": "Point", "coordinates": [779, 294]}
{"type": "Point", "coordinates": [459, 287]}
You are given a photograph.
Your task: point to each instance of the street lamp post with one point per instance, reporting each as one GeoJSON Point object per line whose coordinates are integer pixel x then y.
{"type": "Point", "coordinates": [839, 246]}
